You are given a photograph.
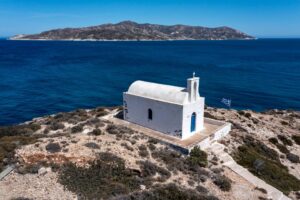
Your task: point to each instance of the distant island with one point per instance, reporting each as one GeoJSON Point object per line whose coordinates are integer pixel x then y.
{"type": "Point", "coordinates": [128, 30]}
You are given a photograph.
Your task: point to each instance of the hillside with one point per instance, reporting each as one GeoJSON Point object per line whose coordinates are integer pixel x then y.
{"type": "Point", "coordinates": [128, 30]}
{"type": "Point", "coordinates": [81, 155]}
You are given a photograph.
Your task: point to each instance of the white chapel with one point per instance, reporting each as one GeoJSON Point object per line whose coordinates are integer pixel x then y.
{"type": "Point", "coordinates": [172, 110]}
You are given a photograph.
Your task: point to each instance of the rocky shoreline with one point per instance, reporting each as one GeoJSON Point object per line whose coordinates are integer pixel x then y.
{"type": "Point", "coordinates": [78, 143]}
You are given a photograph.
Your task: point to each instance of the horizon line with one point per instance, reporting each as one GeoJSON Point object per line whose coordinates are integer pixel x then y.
{"type": "Point", "coordinates": [256, 38]}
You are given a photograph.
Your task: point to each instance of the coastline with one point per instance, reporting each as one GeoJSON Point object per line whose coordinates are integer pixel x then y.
{"type": "Point", "coordinates": [118, 40]}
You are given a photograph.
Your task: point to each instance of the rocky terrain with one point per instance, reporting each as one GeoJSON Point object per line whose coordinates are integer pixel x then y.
{"type": "Point", "coordinates": [80, 155]}
{"type": "Point", "coordinates": [128, 30]}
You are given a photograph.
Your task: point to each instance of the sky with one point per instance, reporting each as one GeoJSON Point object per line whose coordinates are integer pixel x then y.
{"type": "Point", "coordinates": [260, 18]}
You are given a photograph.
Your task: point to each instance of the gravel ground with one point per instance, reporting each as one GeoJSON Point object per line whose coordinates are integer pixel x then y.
{"type": "Point", "coordinates": [33, 186]}
{"type": "Point", "coordinates": [74, 149]}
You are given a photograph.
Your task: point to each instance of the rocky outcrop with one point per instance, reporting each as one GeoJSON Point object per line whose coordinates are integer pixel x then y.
{"type": "Point", "coordinates": [47, 152]}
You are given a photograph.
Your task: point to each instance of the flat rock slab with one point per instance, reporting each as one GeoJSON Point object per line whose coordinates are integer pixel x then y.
{"type": "Point", "coordinates": [5, 172]}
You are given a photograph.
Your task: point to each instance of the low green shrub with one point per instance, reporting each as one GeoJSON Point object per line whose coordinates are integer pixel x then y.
{"type": "Point", "coordinates": [284, 123]}
{"type": "Point", "coordinates": [273, 140]}
{"type": "Point", "coordinates": [201, 189]}
{"type": "Point", "coordinates": [150, 169]}
{"type": "Point", "coordinates": [297, 194]}
{"type": "Point", "coordinates": [106, 177]}
{"type": "Point", "coordinates": [93, 121]}
{"type": "Point", "coordinates": [169, 191]}
{"type": "Point", "coordinates": [8, 144]}
{"type": "Point", "coordinates": [151, 146]}
{"type": "Point", "coordinates": [248, 115]}
{"type": "Point", "coordinates": [153, 141]}
{"type": "Point", "coordinates": [77, 129]}
{"type": "Point", "coordinates": [46, 130]}
{"type": "Point", "coordinates": [266, 165]}
{"type": "Point", "coordinates": [296, 138]}
{"type": "Point", "coordinates": [53, 147]}
{"type": "Point", "coordinates": [191, 182]}
{"type": "Point", "coordinates": [263, 198]}
{"type": "Point", "coordinates": [241, 112]}
{"type": "Point", "coordinates": [124, 144]}
{"type": "Point", "coordinates": [173, 160]}
{"type": "Point", "coordinates": [260, 147]}
{"type": "Point", "coordinates": [222, 182]}
{"type": "Point", "coordinates": [99, 112]}
{"type": "Point", "coordinates": [255, 121]}
{"type": "Point", "coordinates": [217, 170]}
{"type": "Point", "coordinates": [293, 158]}
{"type": "Point", "coordinates": [56, 126]}
{"type": "Point", "coordinates": [143, 151]}
{"type": "Point", "coordinates": [118, 130]}
{"type": "Point", "coordinates": [261, 190]}
{"type": "Point", "coordinates": [21, 198]}
{"type": "Point", "coordinates": [282, 148]}
{"type": "Point", "coordinates": [92, 145]}
{"type": "Point", "coordinates": [197, 157]}
{"type": "Point", "coordinates": [16, 130]}
{"type": "Point", "coordinates": [95, 132]}
{"type": "Point", "coordinates": [73, 117]}
{"type": "Point", "coordinates": [176, 162]}
{"type": "Point", "coordinates": [285, 140]}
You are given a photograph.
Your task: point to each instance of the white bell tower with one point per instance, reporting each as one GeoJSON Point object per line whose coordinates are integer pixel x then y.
{"type": "Point", "coordinates": [193, 88]}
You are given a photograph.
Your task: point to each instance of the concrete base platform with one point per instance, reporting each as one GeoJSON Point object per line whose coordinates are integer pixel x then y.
{"type": "Point", "coordinates": [213, 131]}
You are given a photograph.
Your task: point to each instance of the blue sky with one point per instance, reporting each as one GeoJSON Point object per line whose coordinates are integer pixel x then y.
{"type": "Point", "coordinates": [261, 18]}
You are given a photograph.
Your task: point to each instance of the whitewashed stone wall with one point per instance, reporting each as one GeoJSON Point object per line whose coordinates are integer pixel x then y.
{"type": "Point", "coordinates": [166, 117]}
{"type": "Point", "coordinates": [221, 132]}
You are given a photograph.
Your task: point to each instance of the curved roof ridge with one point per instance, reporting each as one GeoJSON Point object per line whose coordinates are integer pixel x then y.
{"type": "Point", "coordinates": [162, 92]}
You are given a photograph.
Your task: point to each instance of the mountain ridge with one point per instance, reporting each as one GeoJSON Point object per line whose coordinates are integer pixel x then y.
{"type": "Point", "coordinates": [130, 30]}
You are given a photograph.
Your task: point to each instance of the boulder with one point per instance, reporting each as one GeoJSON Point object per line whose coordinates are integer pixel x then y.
{"type": "Point", "coordinates": [143, 187]}
{"type": "Point", "coordinates": [44, 170]}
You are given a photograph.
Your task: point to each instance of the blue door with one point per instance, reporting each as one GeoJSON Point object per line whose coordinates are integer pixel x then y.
{"type": "Point", "coordinates": [193, 122]}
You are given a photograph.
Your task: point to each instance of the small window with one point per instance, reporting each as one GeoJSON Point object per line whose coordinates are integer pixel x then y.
{"type": "Point", "coordinates": [193, 122]}
{"type": "Point", "coordinates": [195, 90]}
{"type": "Point", "coordinates": [149, 114]}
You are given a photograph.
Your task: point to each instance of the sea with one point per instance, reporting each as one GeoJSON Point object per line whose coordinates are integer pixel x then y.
{"type": "Point", "coordinates": [39, 78]}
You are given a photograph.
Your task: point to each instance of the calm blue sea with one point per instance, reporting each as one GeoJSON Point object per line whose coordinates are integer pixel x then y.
{"type": "Point", "coordinates": [45, 77]}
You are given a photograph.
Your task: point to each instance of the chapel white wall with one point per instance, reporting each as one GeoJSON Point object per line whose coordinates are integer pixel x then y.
{"type": "Point", "coordinates": [167, 117]}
